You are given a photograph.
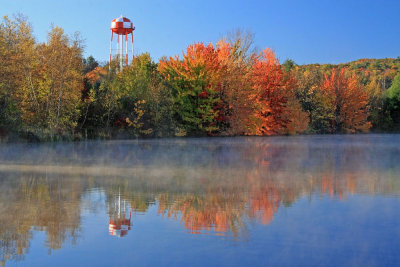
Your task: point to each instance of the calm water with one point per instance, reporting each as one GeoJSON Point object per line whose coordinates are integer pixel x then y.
{"type": "Point", "coordinates": [304, 201]}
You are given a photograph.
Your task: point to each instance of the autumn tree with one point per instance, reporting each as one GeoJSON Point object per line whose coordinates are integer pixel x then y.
{"type": "Point", "coordinates": [241, 43]}
{"type": "Point", "coordinates": [63, 60]}
{"type": "Point", "coordinates": [313, 100]}
{"type": "Point", "coordinates": [376, 75]}
{"type": "Point", "coordinates": [195, 86]}
{"type": "Point", "coordinates": [295, 118]}
{"type": "Point", "coordinates": [18, 68]}
{"type": "Point", "coordinates": [142, 86]}
{"type": "Point", "coordinates": [236, 91]}
{"type": "Point", "coordinates": [348, 100]}
{"type": "Point", "coordinates": [268, 91]}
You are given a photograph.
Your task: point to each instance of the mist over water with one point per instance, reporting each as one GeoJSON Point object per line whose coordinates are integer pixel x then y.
{"type": "Point", "coordinates": [303, 200]}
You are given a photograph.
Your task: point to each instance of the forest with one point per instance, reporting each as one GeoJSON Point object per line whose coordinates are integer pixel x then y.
{"type": "Point", "coordinates": [49, 91]}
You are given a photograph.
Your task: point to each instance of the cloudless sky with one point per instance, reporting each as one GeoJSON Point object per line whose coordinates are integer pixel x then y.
{"type": "Point", "coordinates": [318, 31]}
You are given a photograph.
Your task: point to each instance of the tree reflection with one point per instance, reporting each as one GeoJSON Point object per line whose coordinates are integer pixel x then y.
{"type": "Point", "coordinates": [218, 212]}
{"type": "Point", "coordinates": [217, 189]}
{"type": "Point", "coordinates": [34, 202]}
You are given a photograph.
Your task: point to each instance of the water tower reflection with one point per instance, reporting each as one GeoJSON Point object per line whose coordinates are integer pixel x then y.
{"type": "Point", "coordinates": [119, 216]}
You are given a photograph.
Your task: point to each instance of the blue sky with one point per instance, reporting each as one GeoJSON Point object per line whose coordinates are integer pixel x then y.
{"type": "Point", "coordinates": [319, 31]}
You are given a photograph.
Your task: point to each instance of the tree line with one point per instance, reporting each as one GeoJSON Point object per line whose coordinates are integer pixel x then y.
{"type": "Point", "coordinates": [49, 91]}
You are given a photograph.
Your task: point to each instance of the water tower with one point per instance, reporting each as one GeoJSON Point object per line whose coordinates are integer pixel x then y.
{"type": "Point", "coordinates": [122, 27]}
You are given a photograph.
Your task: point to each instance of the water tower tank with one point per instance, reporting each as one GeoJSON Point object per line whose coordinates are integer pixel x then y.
{"type": "Point", "coordinates": [122, 26]}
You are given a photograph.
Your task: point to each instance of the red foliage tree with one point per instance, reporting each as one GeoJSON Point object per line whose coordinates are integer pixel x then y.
{"type": "Point", "coordinates": [348, 100]}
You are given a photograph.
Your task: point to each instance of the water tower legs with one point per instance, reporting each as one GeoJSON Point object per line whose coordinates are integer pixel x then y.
{"type": "Point", "coordinates": [126, 48]}
{"type": "Point", "coordinates": [133, 56]}
{"type": "Point", "coordinates": [121, 53]}
{"type": "Point", "coordinates": [111, 49]}
{"type": "Point", "coordinates": [117, 51]}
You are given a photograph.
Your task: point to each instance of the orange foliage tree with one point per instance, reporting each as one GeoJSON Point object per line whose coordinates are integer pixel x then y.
{"type": "Point", "coordinates": [269, 84]}
{"type": "Point", "coordinates": [236, 93]}
{"type": "Point", "coordinates": [348, 100]}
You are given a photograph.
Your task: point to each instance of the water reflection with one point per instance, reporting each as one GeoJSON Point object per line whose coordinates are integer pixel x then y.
{"type": "Point", "coordinates": [37, 203]}
{"type": "Point", "coordinates": [120, 216]}
{"type": "Point", "coordinates": [216, 186]}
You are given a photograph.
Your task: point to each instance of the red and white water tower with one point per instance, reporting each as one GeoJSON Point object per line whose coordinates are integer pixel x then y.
{"type": "Point", "coordinates": [122, 27]}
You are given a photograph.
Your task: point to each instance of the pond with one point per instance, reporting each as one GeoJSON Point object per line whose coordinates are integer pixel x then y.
{"type": "Point", "coordinates": [247, 201]}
